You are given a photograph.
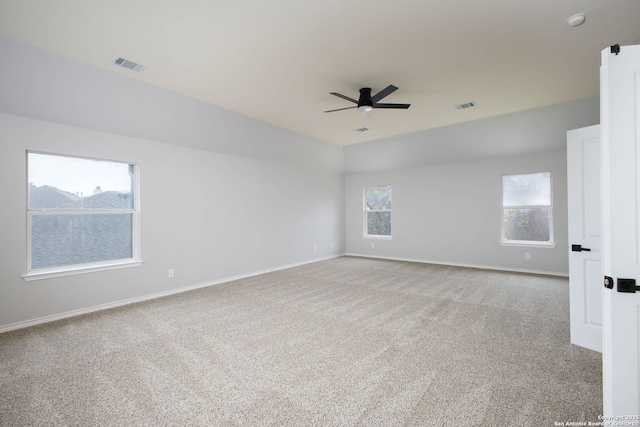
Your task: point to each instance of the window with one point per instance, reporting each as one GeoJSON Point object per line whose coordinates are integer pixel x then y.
{"type": "Point", "coordinates": [526, 209]}
{"type": "Point", "coordinates": [377, 211]}
{"type": "Point", "coordinates": [82, 214]}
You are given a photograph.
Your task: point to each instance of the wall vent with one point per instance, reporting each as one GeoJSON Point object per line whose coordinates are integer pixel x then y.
{"type": "Point", "coordinates": [466, 105]}
{"type": "Point", "coordinates": [361, 129]}
{"type": "Point", "coordinates": [129, 64]}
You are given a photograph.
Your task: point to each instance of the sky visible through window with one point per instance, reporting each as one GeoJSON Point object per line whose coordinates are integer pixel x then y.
{"type": "Point", "coordinates": [76, 175]}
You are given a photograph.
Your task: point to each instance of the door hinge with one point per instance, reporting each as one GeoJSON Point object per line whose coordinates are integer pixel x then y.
{"type": "Point", "coordinates": [615, 49]}
{"type": "Point", "coordinates": [628, 286]}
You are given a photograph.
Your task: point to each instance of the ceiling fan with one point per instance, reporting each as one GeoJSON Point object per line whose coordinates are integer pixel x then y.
{"type": "Point", "coordinates": [366, 102]}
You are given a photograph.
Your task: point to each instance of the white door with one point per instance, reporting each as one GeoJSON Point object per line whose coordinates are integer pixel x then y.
{"type": "Point", "coordinates": [585, 266]}
{"type": "Point", "coordinates": [620, 121]}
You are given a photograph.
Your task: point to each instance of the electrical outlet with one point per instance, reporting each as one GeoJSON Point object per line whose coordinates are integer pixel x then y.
{"type": "Point", "coordinates": [527, 255]}
{"type": "Point", "coordinates": [373, 245]}
{"type": "Point", "coordinates": [171, 272]}
{"type": "Point", "coordinates": [331, 245]}
{"type": "Point", "coordinates": [315, 249]}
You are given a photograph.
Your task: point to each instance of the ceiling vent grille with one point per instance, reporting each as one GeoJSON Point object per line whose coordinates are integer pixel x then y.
{"type": "Point", "coordinates": [466, 105]}
{"type": "Point", "coordinates": [129, 64]}
{"type": "Point", "coordinates": [361, 129]}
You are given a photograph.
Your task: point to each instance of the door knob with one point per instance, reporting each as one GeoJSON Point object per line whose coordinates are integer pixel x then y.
{"type": "Point", "coordinates": [579, 248]}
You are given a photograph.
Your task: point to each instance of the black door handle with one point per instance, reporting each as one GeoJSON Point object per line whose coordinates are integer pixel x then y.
{"type": "Point", "coordinates": [579, 248]}
{"type": "Point", "coordinates": [628, 285]}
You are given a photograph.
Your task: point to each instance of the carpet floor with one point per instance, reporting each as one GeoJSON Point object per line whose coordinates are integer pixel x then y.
{"type": "Point", "coordinates": [343, 342]}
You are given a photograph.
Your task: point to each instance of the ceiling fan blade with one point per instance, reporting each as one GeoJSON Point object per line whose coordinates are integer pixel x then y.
{"type": "Point", "coordinates": [405, 106]}
{"type": "Point", "coordinates": [339, 95]}
{"type": "Point", "coordinates": [383, 93]}
{"type": "Point", "coordinates": [340, 109]}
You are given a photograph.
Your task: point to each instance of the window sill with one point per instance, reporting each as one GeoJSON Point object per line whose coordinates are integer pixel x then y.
{"type": "Point", "coordinates": [70, 271]}
{"type": "Point", "coordinates": [524, 243]}
{"type": "Point", "coordinates": [377, 237]}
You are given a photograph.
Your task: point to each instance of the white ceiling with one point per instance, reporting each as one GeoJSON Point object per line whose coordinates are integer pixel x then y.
{"type": "Point", "coordinates": [278, 60]}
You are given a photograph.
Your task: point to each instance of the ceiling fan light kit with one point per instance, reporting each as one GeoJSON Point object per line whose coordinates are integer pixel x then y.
{"type": "Point", "coordinates": [366, 102]}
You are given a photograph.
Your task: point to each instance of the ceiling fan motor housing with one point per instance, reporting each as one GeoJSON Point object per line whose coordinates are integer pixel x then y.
{"type": "Point", "coordinates": [365, 97]}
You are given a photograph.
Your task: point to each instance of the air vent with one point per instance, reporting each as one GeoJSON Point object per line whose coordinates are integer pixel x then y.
{"type": "Point", "coordinates": [129, 64]}
{"type": "Point", "coordinates": [361, 129]}
{"type": "Point", "coordinates": [466, 105]}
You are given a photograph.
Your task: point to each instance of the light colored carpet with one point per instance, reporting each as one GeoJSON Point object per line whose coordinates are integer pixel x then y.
{"type": "Point", "coordinates": [344, 342]}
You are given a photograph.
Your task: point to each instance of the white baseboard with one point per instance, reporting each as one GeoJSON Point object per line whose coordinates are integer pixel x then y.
{"type": "Point", "coordinates": [457, 264]}
{"type": "Point", "coordinates": [73, 313]}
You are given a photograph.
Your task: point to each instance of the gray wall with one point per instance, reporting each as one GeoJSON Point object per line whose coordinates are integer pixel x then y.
{"type": "Point", "coordinates": [209, 216]}
{"type": "Point", "coordinates": [447, 187]}
{"type": "Point", "coordinates": [524, 132]}
{"type": "Point", "coordinates": [451, 214]}
{"type": "Point", "coordinates": [39, 84]}
{"type": "Point", "coordinates": [222, 194]}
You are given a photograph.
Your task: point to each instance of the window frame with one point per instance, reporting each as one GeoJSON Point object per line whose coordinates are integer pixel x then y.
{"type": "Point", "coordinates": [365, 229]}
{"type": "Point", "coordinates": [527, 243]}
{"type": "Point", "coordinates": [72, 269]}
